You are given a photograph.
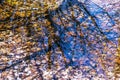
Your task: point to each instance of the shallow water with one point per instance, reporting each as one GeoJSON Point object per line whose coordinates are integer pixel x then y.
{"type": "Point", "coordinates": [73, 41]}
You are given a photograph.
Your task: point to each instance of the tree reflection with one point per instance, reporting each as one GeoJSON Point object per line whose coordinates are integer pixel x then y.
{"type": "Point", "coordinates": [77, 30]}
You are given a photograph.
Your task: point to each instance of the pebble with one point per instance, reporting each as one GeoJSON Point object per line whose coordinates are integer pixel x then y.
{"type": "Point", "coordinates": [44, 61]}
{"type": "Point", "coordinates": [27, 69]}
{"type": "Point", "coordinates": [10, 62]}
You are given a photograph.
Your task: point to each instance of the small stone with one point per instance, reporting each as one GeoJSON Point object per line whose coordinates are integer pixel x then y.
{"type": "Point", "coordinates": [10, 62]}
{"type": "Point", "coordinates": [27, 69]}
{"type": "Point", "coordinates": [16, 67]}
{"type": "Point", "coordinates": [43, 61]}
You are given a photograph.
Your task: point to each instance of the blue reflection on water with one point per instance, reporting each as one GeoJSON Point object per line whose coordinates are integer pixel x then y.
{"type": "Point", "coordinates": [77, 46]}
{"type": "Point", "coordinates": [93, 11]}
